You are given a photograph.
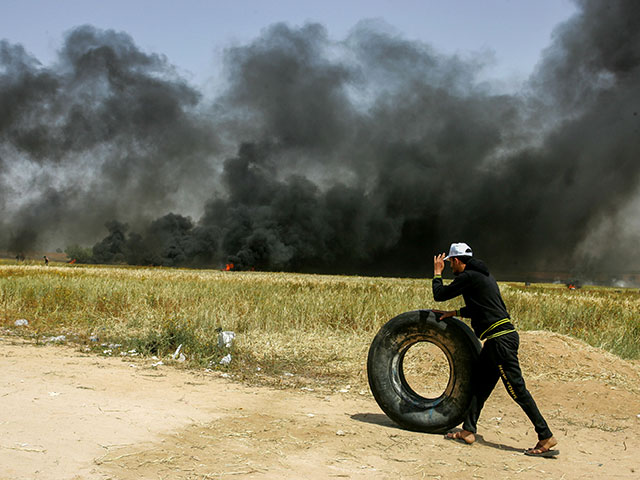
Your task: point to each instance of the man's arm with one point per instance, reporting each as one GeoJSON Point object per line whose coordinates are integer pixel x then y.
{"type": "Point", "coordinates": [442, 293]}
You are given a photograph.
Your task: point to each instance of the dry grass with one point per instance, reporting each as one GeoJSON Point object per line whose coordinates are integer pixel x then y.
{"type": "Point", "coordinates": [607, 318]}
{"type": "Point", "coordinates": [318, 327]}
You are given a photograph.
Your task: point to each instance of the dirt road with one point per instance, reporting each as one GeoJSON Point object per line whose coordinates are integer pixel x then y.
{"type": "Point", "coordinates": [69, 415]}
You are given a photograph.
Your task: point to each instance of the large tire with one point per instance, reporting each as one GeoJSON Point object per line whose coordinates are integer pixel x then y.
{"type": "Point", "coordinates": [386, 376]}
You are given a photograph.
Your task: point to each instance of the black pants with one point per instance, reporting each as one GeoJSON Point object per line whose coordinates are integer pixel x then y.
{"type": "Point", "coordinates": [499, 359]}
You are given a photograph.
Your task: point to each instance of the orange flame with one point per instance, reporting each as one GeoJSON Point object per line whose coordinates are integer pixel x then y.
{"type": "Point", "coordinates": [228, 267]}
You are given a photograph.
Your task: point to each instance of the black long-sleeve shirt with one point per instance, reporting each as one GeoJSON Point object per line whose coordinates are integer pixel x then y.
{"type": "Point", "coordinates": [483, 302]}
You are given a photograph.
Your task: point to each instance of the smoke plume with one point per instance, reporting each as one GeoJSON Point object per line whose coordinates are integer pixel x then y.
{"type": "Point", "coordinates": [365, 155]}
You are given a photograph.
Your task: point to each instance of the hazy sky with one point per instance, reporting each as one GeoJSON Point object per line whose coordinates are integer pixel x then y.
{"type": "Point", "coordinates": [193, 33]}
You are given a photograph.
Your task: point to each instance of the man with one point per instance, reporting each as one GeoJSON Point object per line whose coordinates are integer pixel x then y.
{"type": "Point", "coordinates": [499, 355]}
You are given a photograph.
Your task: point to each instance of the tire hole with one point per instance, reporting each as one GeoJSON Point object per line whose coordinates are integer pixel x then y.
{"type": "Point", "coordinates": [426, 369]}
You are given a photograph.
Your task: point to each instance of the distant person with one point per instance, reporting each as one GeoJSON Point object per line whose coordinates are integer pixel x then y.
{"type": "Point", "coordinates": [499, 355]}
{"type": "Point", "coordinates": [46, 260]}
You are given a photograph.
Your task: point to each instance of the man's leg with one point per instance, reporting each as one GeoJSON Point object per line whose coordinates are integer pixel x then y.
{"type": "Point", "coordinates": [485, 377]}
{"type": "Point", "coordinates": [511, 374]}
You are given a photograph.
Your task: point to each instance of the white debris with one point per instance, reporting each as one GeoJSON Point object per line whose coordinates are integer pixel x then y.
{"type": "Point", "coordinates": [341, 433]}
{"type": "Point", "coordinates": [224, 375]}
{"type": "Point", "coordinates": [157, 364]}
{"type": "Point", "coordinates": [310, 415]}
{"type": "Point", "coordinates": [93, 338]}
{"type": "Point", "coordinates": [22, 322]}
{"type": "Point", "coordinates": [287, 374]}
{"type": "Point", "coordinates": [307, 389]}
{"type": "Point", "coordinates": [177, 352]}
{"type": "Point", "coordinates": [107, 352]}
{"type": "Point", "coordinates": [54, 394]}
{"type": "Point", "coordinates": [178, 355]}
{"type": "Point", "coordinates": [226, 360]}
{"type": "Point", "coordinates": [225, 339]}
{"type": "Point", "coordinates": [59, 338]}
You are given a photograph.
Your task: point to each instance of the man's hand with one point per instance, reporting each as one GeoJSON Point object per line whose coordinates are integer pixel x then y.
{"type": "Point", "coordinates": [444, 314]}
{"type": "Point", "coordinates": [438, 264]}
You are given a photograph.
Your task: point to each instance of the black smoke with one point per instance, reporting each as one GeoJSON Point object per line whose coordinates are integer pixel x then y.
{"type": "Point", "coordinates": [366, 155]}
{"type": "Point", "coordinates": [107, 132]}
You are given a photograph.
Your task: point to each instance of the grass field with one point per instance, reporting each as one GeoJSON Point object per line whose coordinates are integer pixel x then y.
{"type": "Point", "coordinates": [311, 326]}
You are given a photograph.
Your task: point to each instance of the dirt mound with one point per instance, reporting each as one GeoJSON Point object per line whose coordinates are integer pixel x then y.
{"type": "Point", "coordinates": [554, 356]}
{"type": "Point", "coordinates": [68, 415]}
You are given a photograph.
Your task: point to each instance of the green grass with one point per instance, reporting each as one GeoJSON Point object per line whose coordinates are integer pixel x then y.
{"type": "Point", "coordinates": [312, 325]}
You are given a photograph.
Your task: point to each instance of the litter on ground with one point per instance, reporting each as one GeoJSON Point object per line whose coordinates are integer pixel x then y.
{"type": "Point", "coordinates": [225, 339]}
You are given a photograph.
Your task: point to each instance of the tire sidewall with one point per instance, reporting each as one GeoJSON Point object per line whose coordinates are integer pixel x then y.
{"type": "Point", "coordinates": [386, 376]}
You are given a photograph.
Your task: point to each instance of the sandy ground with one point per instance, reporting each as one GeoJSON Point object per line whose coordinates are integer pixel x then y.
{"type": "Point", "coordinates": [69, 415]}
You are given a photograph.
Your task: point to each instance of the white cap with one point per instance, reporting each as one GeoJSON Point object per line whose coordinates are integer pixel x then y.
{"type": "Point", "coordinates": [459, 250]}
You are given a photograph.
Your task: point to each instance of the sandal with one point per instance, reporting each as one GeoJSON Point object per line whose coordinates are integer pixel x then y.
{"type": "Point", "coordinates": [542, 451]}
